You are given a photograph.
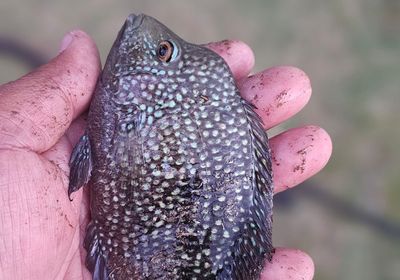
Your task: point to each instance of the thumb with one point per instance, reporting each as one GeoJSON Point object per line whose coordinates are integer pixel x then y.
{"type": "Point", "coordinates": [37, 109]}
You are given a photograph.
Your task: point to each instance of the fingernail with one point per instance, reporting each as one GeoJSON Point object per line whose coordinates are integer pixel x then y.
{"type": "Point", "coordinates": [66, 41]}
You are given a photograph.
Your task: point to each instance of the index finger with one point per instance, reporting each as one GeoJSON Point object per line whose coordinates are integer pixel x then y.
{"type": "Point", "coordinates": [237, 55]}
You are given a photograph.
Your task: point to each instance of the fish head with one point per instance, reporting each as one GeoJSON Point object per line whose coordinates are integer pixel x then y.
{"type": "Point", "coordinates": [143, 42]}
{"type": "Point", "coordinates": [145, 49]}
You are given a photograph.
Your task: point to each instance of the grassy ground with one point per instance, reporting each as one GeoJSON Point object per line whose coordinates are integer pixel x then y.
{"type": "Point", "coordinates": [350, 49]}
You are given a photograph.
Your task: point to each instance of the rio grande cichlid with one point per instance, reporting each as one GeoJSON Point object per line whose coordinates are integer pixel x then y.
{"type": "Point", "coordinates": [178, 163]}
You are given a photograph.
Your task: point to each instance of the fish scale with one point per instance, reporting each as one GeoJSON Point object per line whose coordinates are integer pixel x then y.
{"type": "Point", "coordinates": [178, 163]}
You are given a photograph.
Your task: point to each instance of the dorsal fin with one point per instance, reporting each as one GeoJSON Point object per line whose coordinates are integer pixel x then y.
{"type": "Point", "coordinates": [255, 244]}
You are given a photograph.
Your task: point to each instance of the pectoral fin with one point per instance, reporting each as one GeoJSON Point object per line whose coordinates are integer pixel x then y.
{"type": "Point", "coordinates": [80, 165]}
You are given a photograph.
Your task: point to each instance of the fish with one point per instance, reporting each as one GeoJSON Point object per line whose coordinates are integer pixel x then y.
{"type": "Point", "coordinates": [177, 164]}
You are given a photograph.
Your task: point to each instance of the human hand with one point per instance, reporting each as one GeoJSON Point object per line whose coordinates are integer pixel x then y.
{"type": "Point", "coordinates": [41, 120]}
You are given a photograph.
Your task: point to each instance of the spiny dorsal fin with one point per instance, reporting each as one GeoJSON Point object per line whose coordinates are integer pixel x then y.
{"type": "Point", "coordinates": [255, 244]}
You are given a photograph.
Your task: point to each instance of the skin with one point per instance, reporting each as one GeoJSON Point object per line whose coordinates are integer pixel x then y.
{"type": "Point", "coordinates": [41, 119]}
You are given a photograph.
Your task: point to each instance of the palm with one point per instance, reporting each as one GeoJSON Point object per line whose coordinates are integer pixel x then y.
{"type": "Point", "coordinates": [42, 230]}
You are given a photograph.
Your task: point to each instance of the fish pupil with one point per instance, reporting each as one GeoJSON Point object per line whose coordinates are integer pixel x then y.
{"type": "Point", "coordinates": [165, 51]}
{"type": "Point", "coordinates": [162, 51]}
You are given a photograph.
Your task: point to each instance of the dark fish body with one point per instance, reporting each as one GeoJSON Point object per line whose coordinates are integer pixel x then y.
{"type": "Point", "coordinates": [178, 163]}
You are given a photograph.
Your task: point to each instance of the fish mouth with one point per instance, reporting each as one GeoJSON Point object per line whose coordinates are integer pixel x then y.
{"type": "Point", "coordinates": [131, 24]}
{"type": "Point", "coordinates": [135, 21]}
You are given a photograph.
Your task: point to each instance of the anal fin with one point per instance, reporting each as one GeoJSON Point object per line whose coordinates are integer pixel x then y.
{"type": "Point", "coordinates": [95, 259]}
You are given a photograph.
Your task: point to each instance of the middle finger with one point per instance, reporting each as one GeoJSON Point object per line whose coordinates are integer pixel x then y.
{"type": "Point", "coordinates": [278, 93]}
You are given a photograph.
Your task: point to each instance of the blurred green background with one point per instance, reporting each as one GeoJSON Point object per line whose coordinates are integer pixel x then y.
{"type": "Point", "coordinates": [347, 217]}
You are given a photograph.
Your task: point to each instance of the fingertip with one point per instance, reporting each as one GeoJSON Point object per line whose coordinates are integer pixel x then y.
{"type": "Point", "coordinates": [289, 264]}
{"type": "Point", "coordinates": [78, 43]}
{"type": "Point", "coordinates": [325, 141]}
{"type": "Point", "coordinates": [80, 38]}
{"type": "Point", "coordinates": [278, 93]}
{"type": "Point", "coordinates": [298, 154]}
{"type": "Point", "coordinates": [237, 54]}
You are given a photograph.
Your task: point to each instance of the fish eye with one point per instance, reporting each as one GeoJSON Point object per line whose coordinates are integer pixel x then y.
{"type": "Point", "coordinates": [167, 51]}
